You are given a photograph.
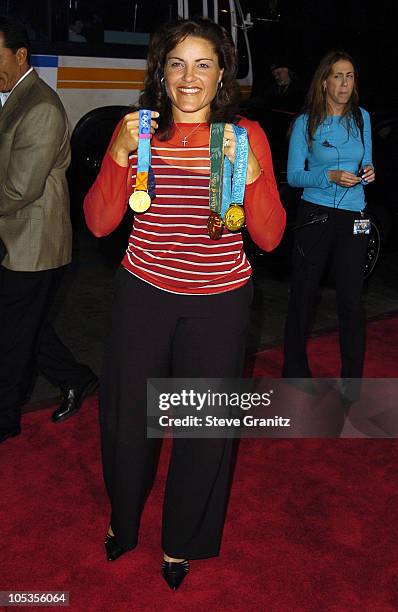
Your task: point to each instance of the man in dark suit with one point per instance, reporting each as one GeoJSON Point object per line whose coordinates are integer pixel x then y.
{"type": "Point", "coordinates": [36, 234]}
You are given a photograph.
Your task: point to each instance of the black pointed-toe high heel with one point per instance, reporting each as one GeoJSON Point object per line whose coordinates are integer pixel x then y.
{"type": "Point", "coordinates": [174, 572]}
{"type": "Point", "coordinates": [113, 549]}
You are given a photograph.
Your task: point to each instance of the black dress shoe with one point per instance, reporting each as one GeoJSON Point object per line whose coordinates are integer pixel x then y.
{"type": "Point", "coordinates": [113, 549]}
{"type": "Point", "coordinates": [73, 399]}
{"type": "Point", "coordinates": [174, 572]}
{"type": "Point", "coordinates": [9, 433]}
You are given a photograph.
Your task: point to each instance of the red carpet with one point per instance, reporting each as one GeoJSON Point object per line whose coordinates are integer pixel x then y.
{"type": "Point", "coordinates": [381, 360]}
{"type": "Point", "coordinates": [312, 524]}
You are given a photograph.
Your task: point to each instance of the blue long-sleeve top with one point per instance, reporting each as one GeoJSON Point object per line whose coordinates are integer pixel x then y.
{"type": "Point", "coordinates": [309, 168]}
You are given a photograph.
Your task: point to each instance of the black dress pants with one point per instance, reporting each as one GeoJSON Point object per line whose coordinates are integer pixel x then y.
{"type": "Point", "coordinates": [159, 334]}
{"type": "Point", "coordinates": [28, 342]}
{"type": "Point", "coordinates": [313, 245]}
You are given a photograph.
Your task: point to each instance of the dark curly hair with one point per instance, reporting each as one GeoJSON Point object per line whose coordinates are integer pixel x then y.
{"type": "Point", "coordinates": [316, 101]}
{"type": "Point", "coordinates": [225, 104]}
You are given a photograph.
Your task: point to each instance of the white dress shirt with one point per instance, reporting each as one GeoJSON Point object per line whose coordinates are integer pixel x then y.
{"type": "Point", "coordinates": [5, 95]}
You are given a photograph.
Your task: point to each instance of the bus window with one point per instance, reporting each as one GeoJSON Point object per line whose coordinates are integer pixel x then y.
{"type": "Point", "coordinates": [224, 17]}
{"type": "Point", "coordinates": [210, 11]}
{"type": "Point", "coordinates": [95, 28]}
{"type": "Point", "coordinates": [242, 45]}
{"type": "Point", "coordinates": [195, 8]}
{"type": "Point", "coordinates": [34, 15]}
{"type": "Point", "coordinates": [229, 22]}
{"type": "Point", "coordinates": [124, 22]}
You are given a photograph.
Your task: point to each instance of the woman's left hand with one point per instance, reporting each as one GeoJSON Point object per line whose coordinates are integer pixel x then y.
{"type": "Point", "coordinates": [369, 174]}
{"type": "Point", "coordinates": [253, 167]}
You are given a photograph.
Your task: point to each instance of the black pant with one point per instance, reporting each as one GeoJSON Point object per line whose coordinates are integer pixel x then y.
{"type": "Point", "coordinates": [28, 342]}
{"type": "Point", "coordinates": [313, 244]}
{"type": "Point", "coordinates": [159, 334]}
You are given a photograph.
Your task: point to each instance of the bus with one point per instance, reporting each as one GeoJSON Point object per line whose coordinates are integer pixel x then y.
{"type": "Point", "coordinates": [93, 52]}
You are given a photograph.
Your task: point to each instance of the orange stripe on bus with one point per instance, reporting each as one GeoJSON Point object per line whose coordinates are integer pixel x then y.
{"type": "Point", "coordinates": [109, 78]}
{"type": "Point", "coordinates": [245, 91]}
{"type": "Point", "coordinates": [91, 85]}
{"type": "Point", "coordinates": [100, 74]}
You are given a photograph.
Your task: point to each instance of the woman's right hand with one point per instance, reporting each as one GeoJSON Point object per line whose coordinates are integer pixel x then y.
{"type": "Point", "coordinates": [126, 141]}
{"type": "Point", "coordinates": [343, 178]}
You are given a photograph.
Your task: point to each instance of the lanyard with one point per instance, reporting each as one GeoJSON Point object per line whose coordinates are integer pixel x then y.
{"type": "Point", "coordinates": [216, 166]}
{"type": "Point", "coordinates": [234, 217]}
{"type": "Point", "coordinates": [140, 200]}
{"type": "Point", "coordinates": [240, 165]}
{"type": "Point", "coordinates": [227, 182]}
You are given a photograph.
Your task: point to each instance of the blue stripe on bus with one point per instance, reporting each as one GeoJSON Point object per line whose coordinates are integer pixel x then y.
{"type": "Point", "coordinates": [44, 61]}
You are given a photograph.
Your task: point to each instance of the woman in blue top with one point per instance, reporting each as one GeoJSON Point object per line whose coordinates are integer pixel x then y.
{"type": "Point", "coordinates": [330, 156]}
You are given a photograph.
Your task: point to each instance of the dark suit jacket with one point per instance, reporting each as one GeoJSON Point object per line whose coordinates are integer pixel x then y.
{"type": "Point", "coordinates": [35, 223]}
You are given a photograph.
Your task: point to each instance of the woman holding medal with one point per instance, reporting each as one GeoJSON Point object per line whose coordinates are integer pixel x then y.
{"type": "Point", "coordinates": [330, 156]}
{"type": "Point", "coordinates": [183, 292]}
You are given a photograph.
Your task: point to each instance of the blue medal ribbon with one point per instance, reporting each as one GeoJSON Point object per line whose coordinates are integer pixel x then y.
{"type": "Point", "coordinates": [144, 149]}
{"type": "Point", "coordinates": [240, 165]}
{"type": "Point", "coordinates": [235, 193]}
{"type": "Point", "coordinates": [140, 199]}
{"type": "Point", "coordinates": [227, 181]}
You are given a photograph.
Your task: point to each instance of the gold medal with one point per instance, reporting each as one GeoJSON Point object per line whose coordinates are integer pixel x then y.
{"type": "Point", "coordinates": [234, 218]}
{"type": "Point", "coordinates": [140, 201]}
{"type": "Point", "coordinates": [215, 226]}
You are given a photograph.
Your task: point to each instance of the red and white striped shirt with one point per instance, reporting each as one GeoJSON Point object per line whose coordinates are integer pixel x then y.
{"type": "Point", "coordinates": [169, 246]}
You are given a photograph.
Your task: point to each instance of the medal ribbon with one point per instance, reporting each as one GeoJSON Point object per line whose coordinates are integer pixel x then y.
{"type": "Point", "coordinates": [216, 166]}
{"type": "Point", "coordinates": [227, 181]}
{"type": "Point", "coordinates": [240, 165]}
{"type": "Point", "coordinates": [144, 150]}
{"type": "Point", "coordinates": [237, 194]}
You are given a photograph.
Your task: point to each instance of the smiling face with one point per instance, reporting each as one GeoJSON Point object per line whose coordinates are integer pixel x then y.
{"type": "Point", "coordinates": [339, 86]}
{"type": "Point", "coordinates": [192, 75]}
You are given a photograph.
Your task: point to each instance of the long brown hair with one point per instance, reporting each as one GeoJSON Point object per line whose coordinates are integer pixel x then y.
{"type": "Point", "coordinates": [315, 105]}
{"type": "Point", "coordinates": [225, 104]}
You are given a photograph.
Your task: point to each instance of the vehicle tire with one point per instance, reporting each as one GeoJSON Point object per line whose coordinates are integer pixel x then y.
{"type": "Point", "coordinates": [89, 142]}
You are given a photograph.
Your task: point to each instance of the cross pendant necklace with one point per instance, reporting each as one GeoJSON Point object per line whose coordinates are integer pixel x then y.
{"type": "Point", "coordinates": [185, 137]}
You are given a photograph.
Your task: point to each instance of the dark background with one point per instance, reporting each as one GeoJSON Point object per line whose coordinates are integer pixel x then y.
{"type": "Point", "coordinates": [301, 31]}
